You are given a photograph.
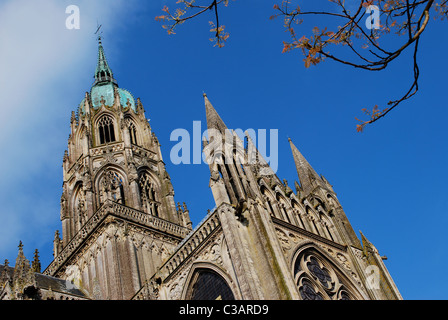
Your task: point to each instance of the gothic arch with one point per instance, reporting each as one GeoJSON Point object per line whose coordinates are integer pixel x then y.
{"type": "Point", "coordinates": [280, 197]}
{"type": "Point", "coordinates": [321, 202]}
{"type": "Point", "coordinates": [296, 205]}
{"type": "Point", "coordinates": [105, 128]}
{"type": "Point", "coordinates": [317, 275]}
{"type": "Point", "coordinates": [78, 137]}
{"type": "Point", "coordinates": [223, 283]}
{"type": "Point", "coordinates": [149, 191]}
{"type": "Point", "coordinates": [111, 183]}
{"type": "Point", "coordinates": [332, 202]}
{"type": "Point", "coordinates": [269, 198]}
{"type": "Point", "coordinates": [131, 125]}
{"type": "Point", "coordinates": [284, 204]}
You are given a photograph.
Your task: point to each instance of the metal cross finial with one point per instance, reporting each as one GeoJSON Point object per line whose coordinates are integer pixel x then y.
{"type": "Point", "coordinates": [98, 31]}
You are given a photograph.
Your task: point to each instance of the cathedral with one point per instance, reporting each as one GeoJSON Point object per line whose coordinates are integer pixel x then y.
{"type": "Point", "coordinates": [123, 237]}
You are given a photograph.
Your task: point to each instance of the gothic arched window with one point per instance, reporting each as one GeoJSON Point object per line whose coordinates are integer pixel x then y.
{"type": "Point", "coordinates": [106, 130]}
{"type": "Point", "coordinates": [208, 285]}
{"type": "Point", "coordinates": [316, 279]}
{"type": "Point", "coordinates": [111, 187]}
{"type": "Point", "coordinates": [148, 195]}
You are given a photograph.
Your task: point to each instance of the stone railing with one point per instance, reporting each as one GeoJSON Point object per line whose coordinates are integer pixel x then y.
{"type": "Point", "coordinates": [149, 220]}
{"type": "Point", "coordinates": [118, 210]}
{"type": "Point", "coordinates": [113, 147]}
{"type": "Point", "coordinates": [140, 150]}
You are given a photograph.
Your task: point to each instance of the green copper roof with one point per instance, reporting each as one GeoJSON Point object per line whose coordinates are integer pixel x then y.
{"type": "Point", "coordinates": [106, 92]}
{"type": "Point", "coordinates": [100, 92]}
{"type": "Point", "coordinates": [125, 95]}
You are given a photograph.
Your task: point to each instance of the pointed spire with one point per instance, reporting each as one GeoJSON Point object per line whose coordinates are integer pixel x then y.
{"type": "Point", "coordinates": [103, 73]}
{"type": "Point", "coordinates": [22, 266]}
{"type": "Point", "coordinates": [35, 265]}
{"type": "Point", "coordinates": [288, 190]}
{"type": "Point", "coordinates": [87, 103]}
{"type": "Point", "coordinates": [20, 255]}
{"type": "Point", "coordinates": [307, 175]}
{"type": "Point", "coordinates": [367, 245]}
{"type": "Point", "coordinates": [21, 260]}
{"type": "Point", "coordinates": [73, 120]}
{"type": "Point", "coordinates": [214, 121]}
{"type": "Point", "coordinates": [65, 158]}
{"type": "Point", "coordinates": [140, 109]}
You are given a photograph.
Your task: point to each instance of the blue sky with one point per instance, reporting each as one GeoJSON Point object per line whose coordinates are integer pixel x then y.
{"type": "Point", "coordinates": [391, 179]}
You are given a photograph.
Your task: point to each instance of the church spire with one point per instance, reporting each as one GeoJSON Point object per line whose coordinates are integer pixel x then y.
{"type": "Point", "coordinates": [103, 73]}
{"type": "Point", "coordinates": [307, 175]}
{"type": "Point", "coordinates": [20, 256]}
{"type": "Point", "coordinates": [214, 121]}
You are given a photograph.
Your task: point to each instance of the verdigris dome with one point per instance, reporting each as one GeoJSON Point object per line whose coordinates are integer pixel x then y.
{"type": "Point", "coordinates": [125, 95]}
{"type": "Point", "coordinates": [106, 92]}
{"type": "Point", "coordinates": [100, 92]}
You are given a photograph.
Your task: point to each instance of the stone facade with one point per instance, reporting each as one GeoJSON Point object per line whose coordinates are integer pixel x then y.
{"type": "Point", "coordinates": [123, 236]}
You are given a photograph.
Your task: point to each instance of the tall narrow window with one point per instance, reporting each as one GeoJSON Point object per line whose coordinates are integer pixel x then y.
{"type": "Point", "coordinates": [106, 130]}
{"type": "Point", "coordinates": [329, 233]}
{"type": "Point", "coordinates": [285, 213]}
{"type": "Point", "coordinates": [132, 133]}
{"type": "Point", "coordinates": [315, 227]}
{"type": "Point", "coordinates": [80, 210]}
{"type": "Point", "coordinates": [270, 207]}
{"type": "Point", "coordinates": [148, 195]}
{"type": "Point", "coordinates": [300, 219]}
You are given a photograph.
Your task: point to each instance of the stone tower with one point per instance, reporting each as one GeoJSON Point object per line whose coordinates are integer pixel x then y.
{"type": "Point", "coordinates": [119, 219]}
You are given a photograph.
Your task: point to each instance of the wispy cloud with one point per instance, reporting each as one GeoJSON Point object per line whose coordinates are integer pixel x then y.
{"type": "Point", "coordinates": [44, 72]}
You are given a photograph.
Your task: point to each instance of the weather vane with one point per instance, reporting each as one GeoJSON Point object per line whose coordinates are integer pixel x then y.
{"type": "Point", "coordinates": [98, 31]}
